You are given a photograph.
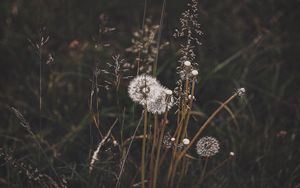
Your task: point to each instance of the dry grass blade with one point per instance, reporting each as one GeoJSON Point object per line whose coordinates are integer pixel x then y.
{"type": "Point", "coordinates": [96, 152]}
{"type": "Point", "coordinates": [126, 155]}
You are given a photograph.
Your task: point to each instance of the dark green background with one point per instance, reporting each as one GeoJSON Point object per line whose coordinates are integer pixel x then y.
{"type": "Point", "coordinates": [229, 58]}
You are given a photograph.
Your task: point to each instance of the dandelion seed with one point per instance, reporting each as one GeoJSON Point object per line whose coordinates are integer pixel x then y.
{"type": "Point", "coordinates": [207, 146]}
{"type": "Point", "coordinates": [142, 89]}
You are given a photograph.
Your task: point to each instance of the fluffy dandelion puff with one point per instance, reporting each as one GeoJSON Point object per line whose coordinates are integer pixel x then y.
{"type": "Point", "coordinates": [207, 146]}
{"type": "Point", "coordinates": [142, 89]}
{"type": "Point", "coordinates": [161, 100]}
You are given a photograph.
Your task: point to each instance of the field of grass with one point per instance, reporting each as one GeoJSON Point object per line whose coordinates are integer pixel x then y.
{"type": "Point", "coordinates": [65, 68]}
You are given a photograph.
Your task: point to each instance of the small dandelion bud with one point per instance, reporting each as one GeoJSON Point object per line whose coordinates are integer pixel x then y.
{"type": "Point", "coordinates": [115, 143]}
{"type": "Point", "coordinates": [241, 92]}
{"type": "Point", "coordinates": [172, 139]}
{"type": "Point", "coordinates": [191, 97]}
{"type": "Point", "coordinates": [207, 146]}
{"type": "Point", "coordinates": [186, 141]}
{"type": "Point", "coordinates": [194, 72]}
{"type": "Point", "coordinates": [187, 63]}
{"type": "Point", "coordinates": [168, 92]}
{"type": "Point", "coordinates": [231, 154]}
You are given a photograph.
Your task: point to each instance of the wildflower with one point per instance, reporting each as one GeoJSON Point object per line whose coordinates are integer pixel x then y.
{"type": "Point", "coordinates": [146, 90]}
{"type": "Point", "coordinates": [142, 89]}
{"type": "Point", "coordinates": [207, 146]}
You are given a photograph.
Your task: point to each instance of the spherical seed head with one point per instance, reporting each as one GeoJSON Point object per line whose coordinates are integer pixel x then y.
{"type": "Point", "coordinates": [160, 102]}
{"type": "Point", "coordinates": [194, 72]}
{"type": "Point", "coordinates": [187, 63]}
{"type": "Point", "coordinates": [241, 92]}
{"type": "Point", "coordinates": [207, 146]}
{"type": "Point", "coordinates": [141, 88]}
{"type": "Point", "coordinates": [185, 141]}
{"type": "Point", "coordinates": [231, 153]}
{"type": "Point", "coordinates": [172, 139]}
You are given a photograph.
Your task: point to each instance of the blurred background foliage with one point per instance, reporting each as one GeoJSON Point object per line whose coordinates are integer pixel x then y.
{"type": "Point", "coordinates": [252, 44]}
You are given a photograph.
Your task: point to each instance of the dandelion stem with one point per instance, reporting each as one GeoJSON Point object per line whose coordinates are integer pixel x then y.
{"type": "Point", "coordinates": [144, 148]}
{"type": "Point", "coordinates": [159, 148]}
{"type": "Point", "coordinates": [203, 170]}
{"type": "Point", "coordinates": [211, 117]}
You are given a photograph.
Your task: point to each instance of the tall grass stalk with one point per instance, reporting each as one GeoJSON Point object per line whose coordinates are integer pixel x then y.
{"type": "Point", "coordinates": [203, 127]}
{"type": "Point", "coordinates": [144, 147]}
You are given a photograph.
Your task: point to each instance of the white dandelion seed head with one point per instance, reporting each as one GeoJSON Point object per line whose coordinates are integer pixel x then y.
{"type": "Point", "coordinates": [194, 72]}
{"type": "Point", "coordinates": [186, 141]}
{"type": "Point", "coordinates": [207, 146]}
{"type": "Point", "coordinates": [172, 139]}
{"type": "Point", "coordinates": [187, 63]}
{"type": "Point", "coordinates": [160, 101]}
{"type": "Point", "coordinates": [231, 154]}
{"type": "Point", "coordinates": [141, 88]}
{"type": "Point", "coordinates": [241, 92]}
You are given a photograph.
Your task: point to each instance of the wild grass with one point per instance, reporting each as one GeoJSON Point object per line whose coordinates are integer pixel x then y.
{"type": "Point", "coordinates": [67, 119]}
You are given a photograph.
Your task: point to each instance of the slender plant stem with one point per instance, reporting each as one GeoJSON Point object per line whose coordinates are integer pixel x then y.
{"type": "Point", "coordinates": [144, 148]}
{"type": "Point", "coordinates": [211, 117]}
{"type": "Point", "coordinates": [206, 123]}
{"type": "Point", "coordinates": [159, 37]}
{"type": "Point", "coordinates": [161, 135]}
{"type": "Point", "coordinates": [203, 170]}
{"type": "Point", "coordinates": [126, 155]}
{"type": "Point", "coordinates": [154, 140]}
